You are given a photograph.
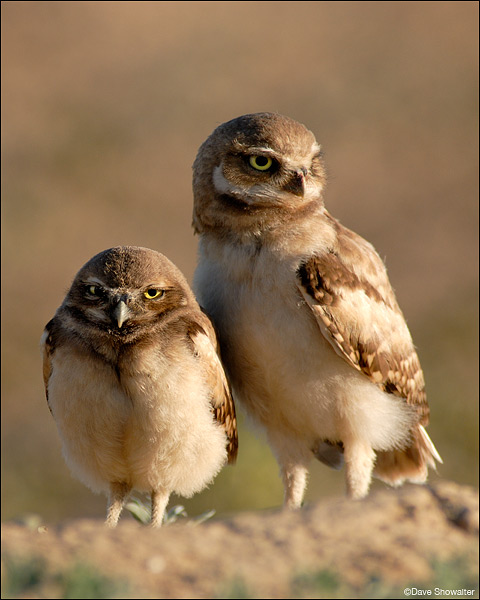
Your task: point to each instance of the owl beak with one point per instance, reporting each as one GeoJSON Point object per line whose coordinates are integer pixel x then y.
{"type": "Point", "coordinates": [296, 184]}
{"type": "Point", "coordinates": [121, 313]}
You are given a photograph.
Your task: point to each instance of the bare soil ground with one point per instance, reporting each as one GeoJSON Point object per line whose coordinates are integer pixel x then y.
{"type": "Point", "coordinates": [336, 548]}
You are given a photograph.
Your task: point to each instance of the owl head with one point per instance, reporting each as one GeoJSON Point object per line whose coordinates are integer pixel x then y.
{"type": "Point", "coordinates": [253, 169]}
{"type": "Point", "coordinates": [124, 293]}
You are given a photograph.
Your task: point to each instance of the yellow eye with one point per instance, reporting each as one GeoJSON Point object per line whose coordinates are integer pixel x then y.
{"type": "Point", "coordinates": [152, 293]}
{"type": "Point", "coordinates": [94, 292]}
{"type": "Point", "coordinates": [260, 163]}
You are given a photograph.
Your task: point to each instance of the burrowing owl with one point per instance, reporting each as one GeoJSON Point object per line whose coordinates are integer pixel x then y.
{"type": "Point", "coordinates": [134, 381]}
{"type": "Point", "coordinates": [313, 340]}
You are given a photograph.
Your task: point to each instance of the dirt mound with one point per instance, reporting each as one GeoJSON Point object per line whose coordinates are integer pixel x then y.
{"type": "Point", "coordinates": [415, 536]}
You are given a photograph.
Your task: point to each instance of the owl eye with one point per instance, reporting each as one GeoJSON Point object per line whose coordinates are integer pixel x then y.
{"type": "Point", "coordinates": [153, 293]}
{"type": "Point", "coordinates": [93, 290]}
{"type": "Point", "coordinates": [260, 163]}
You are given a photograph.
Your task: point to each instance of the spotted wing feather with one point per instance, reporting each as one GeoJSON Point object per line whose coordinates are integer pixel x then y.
{"type": "Point", "coordinates": [348, 291]}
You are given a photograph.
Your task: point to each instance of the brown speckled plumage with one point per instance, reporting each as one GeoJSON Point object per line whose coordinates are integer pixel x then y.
{"type": "Point", "coordinates": [134, 382]}
{"type": "Point", "coordinates": [314, 342]}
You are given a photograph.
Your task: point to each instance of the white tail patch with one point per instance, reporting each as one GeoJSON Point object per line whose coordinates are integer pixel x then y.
{"type": "Point", "coordinates": [430, 446]}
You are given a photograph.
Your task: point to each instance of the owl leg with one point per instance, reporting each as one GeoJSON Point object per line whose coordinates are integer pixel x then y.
{"type": "Point", "coordinates": [117, 497]}
{"type": "Point", "coordinates": [159, 504]}
{"type": "Point", "coordinates": [294, 483]}
{"type": "Point", "coordinates": [293, 461]}
{"type": "Point", "coordinates": [359, 463]}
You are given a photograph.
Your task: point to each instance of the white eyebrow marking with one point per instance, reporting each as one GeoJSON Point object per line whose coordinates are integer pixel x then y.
{"type": "Point", "coordinates": [96, 281]}
{"type": "Point", "coordinates": [263, 149]}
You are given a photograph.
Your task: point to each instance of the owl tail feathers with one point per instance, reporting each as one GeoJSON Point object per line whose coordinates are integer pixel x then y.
{"type": "Point", "coordinates": [397, 466]}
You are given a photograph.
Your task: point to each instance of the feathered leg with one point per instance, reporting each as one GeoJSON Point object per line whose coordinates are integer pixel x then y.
{"type": "Point", "coordinates": [119, 492]}
{"type": "Point", "coordinates": [293, 460]}
{"type": "Point", "coordinates": [359, 462]}
{"type": "Point", "coordinates": [159, 504]}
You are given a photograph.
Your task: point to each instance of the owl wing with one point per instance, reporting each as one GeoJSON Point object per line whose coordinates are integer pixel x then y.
{"type": "Point", "coordinates": [205, 347]}
{"type": "Point", "coordinates": [47, 346]}
{"type": "Point", "coordinates": [349, 293]}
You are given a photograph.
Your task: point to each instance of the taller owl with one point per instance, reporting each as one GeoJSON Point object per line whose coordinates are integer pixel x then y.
{"type": "Point", "coordinates": [314, 342]}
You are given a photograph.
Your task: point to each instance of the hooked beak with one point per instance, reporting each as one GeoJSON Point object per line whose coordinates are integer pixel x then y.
{"type": "Point", "coordinates": [121, 313]}
{"type": "Point", "coordinates": [296, 184]}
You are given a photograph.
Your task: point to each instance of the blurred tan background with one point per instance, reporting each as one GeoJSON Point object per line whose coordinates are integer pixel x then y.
{"type": "Point", "coordinates": [104, 107]}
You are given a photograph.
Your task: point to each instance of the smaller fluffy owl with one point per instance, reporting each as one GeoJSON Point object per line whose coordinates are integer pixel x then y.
{"type": "Point", "coordinates": [135, 384]}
